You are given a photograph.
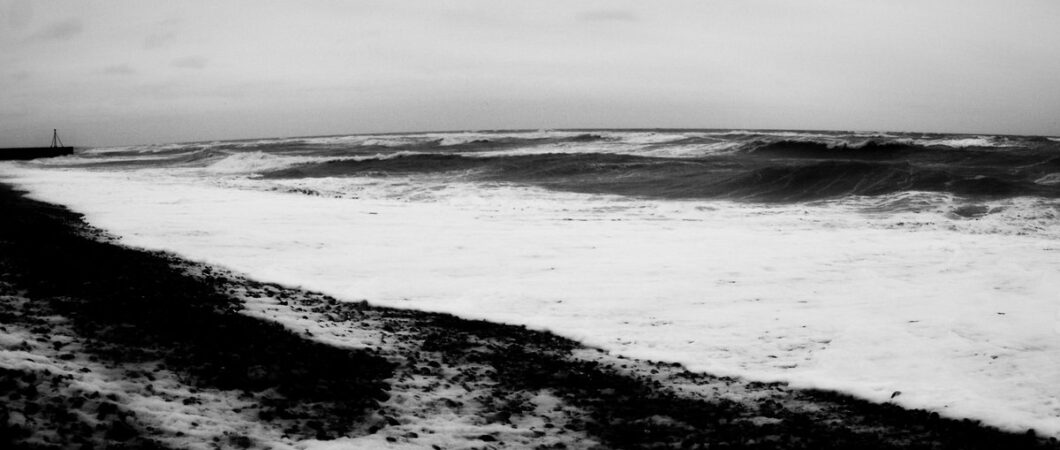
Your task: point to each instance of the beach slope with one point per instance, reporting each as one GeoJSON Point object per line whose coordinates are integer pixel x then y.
{"type": "Point", "coordinates": [104, 345]}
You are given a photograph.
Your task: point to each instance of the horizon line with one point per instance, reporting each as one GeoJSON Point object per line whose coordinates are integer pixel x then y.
{"type": "Point", "coordinates": [527, 130]}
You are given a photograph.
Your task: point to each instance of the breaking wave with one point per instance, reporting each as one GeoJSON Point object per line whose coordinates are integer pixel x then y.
{"type": "Point", "coordinates": [782, 171]}
{"type": "Point", "coordinates": [764, 166]}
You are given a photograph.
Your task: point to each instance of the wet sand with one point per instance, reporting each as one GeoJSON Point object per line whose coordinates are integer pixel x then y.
{"type": "Point", "coordinates": [106, 346]}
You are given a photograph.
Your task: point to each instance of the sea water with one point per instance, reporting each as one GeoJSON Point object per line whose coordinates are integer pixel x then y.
{"type": "Point", "coordinates": [870, 263]}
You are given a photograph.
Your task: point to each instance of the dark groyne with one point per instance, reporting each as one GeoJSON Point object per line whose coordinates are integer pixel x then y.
{"type": "Point", "coordinates": [25, 153]}
{"type": "Point", "coordinates": [56, 149]}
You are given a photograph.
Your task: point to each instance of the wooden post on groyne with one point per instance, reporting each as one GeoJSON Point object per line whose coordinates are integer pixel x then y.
{"type": "Point", "coordinates": [23, 153]}
{"type": "Point", "coordinates": [56, 142]}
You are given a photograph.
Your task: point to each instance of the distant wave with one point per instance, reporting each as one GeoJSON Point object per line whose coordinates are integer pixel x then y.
{"type": "Point", "coordinates": [1049, 179]}
{"type": "Point", "coordinates": [832, 150]}
{"type": "Point", "coordinates": [771, 166]}
{"type": "Point", "coordinates": [627, 142]}
{"type": "Point", "coordinates": [807, 172]}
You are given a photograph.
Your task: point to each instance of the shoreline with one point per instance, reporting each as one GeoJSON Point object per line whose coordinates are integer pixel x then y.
{"type": "Point", "coordinates": [144, 349]}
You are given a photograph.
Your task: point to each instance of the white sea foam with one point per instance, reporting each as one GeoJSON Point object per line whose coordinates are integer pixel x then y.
{"type": "Point", "coordinates": [459, 138]}
{"type": "Point", "coordinates": [1049, 179]}
{"type": "Point", "coordinates": [377, 140]}
{"type": "Point", "coordinates": [961, 322]}
{"type": "Point", "coordinates": [644, 138]}
{"type": "Point", "coordinates": [151, 148]}
{"type": "Point", "coordinates": [801, 135]}
{"type": "Point", "coordinates": [255, 162]}
{"type": "Point", "coordinates": [451, 139]}
{"type": "Point", "coordinates": [874, 134]}
{"type": "Point", "coordinates": [978, 141]}
{"type": "Point", "coordinates": [938, 211]}
{"type": "Point", "coordinates": [622, 147]}
{"type": "Point", "coordinates": [691, 151]}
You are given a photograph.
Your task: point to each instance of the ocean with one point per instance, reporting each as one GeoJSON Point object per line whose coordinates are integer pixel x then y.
{"type": "Point", "coordinates": [920, 269]}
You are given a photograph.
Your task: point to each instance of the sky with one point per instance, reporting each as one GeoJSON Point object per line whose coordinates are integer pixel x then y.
{"type": "Point", "coordinates": [137, 72]}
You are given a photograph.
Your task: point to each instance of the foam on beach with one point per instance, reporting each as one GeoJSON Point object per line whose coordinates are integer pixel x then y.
{"type": "Point", "coordinates": [940, 315]}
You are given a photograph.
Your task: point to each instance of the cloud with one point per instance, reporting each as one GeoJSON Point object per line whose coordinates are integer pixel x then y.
{"type": "Point", "coordinates": [59, 31]}
{"type": "Point", "coordinates": [156, 40]}
{"type": "Point", "coordinates": [118, 69]}
{"type": "Point", "coordinates": [19, 13]}
{"type": "Point", "coordinates": [164, 32]}
{"type": "Point", "coordinates": [190, 62]}
{"type": "Point", "coordinates": [15, 77]}
{"type": "Point", "coordinates": [607, 15]}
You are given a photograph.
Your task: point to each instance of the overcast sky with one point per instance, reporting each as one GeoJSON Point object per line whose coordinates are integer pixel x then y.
{"type": "Point", "coordinates": [126, 72]}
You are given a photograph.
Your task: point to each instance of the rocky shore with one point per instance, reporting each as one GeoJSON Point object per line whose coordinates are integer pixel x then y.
{"type": "Point", "coordinates": [103, 346]}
